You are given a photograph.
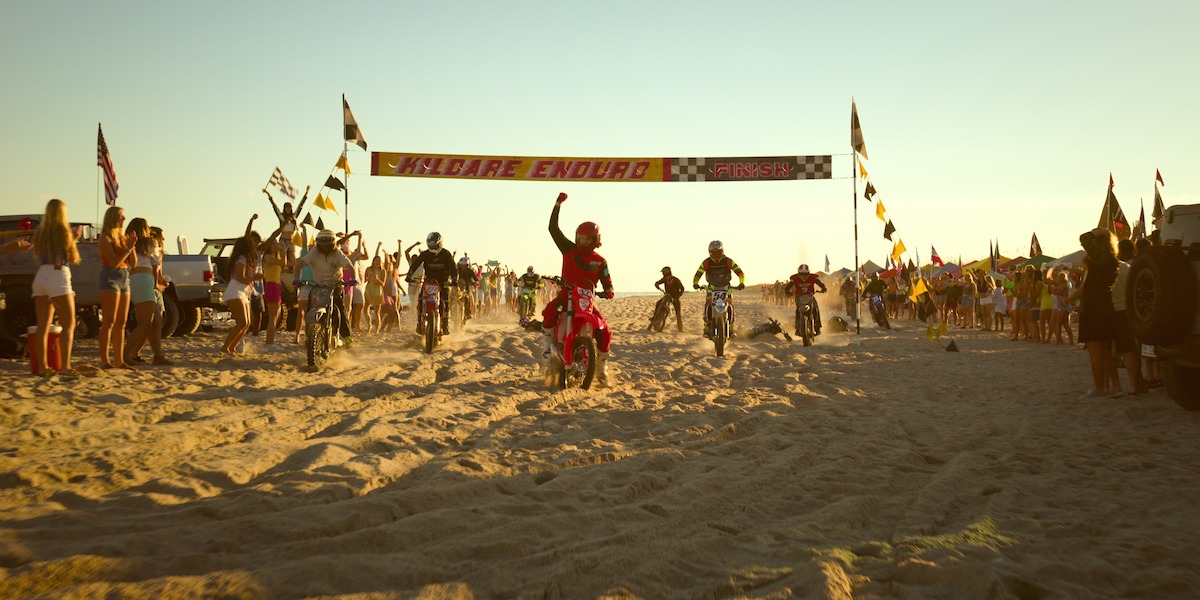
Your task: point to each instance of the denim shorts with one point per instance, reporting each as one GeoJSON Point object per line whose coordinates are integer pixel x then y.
{"type": "Point", "coordinates": [113, 279]}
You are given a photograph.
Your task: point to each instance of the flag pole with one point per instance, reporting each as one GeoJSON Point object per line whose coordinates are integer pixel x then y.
{"type": "Point", "coordinates": [345, 150]}
{"type": "Point", "coordinates": [857, 267]}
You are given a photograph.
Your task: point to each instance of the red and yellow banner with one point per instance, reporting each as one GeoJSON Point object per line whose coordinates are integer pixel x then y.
{"type": "Point", "coordinates": [548, 168]}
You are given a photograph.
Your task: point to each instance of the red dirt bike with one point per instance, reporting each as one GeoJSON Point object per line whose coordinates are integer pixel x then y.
{"type": "Point", "coordinates": [806, 326]}
{"type": "Point", "coordinates": [429, 320]}
{"type": "Point", "coordinates": [573, 354]}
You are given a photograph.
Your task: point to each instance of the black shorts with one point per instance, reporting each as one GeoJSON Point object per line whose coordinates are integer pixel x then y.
{"type": "Point", "coordinates": [1122, 334]}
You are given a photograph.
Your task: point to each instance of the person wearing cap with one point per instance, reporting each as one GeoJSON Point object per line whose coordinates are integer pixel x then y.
{"type": "Point", "coordinates": [803, 285]}
{"type": "Point", "coordinates": [328, 263]}
{"type": "Point", "coordinates": [673, 287]}
{"type": "Point", "coordinates": [718, 269]}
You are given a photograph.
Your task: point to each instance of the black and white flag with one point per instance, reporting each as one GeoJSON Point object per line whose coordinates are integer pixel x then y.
{"type": "Point", "coordinates": [281, 182]}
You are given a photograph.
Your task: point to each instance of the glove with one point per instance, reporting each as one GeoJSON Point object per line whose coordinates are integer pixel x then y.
{"type": "Point", "coordinates": [606, 294]}
{"type": "Point", "coordinates": [408, 280]}
{"type": "Point", "coordinates": [696, 286]}
{"type": "Point", "coordinates": [741, 286]}
{"type": "Point", "coordinates": [295, 283]}
{"type": "Point", "coordinates": [562, 197]}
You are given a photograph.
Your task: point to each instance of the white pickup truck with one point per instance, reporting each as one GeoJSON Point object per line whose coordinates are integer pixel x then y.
{"type": "Point", "coordinates": [190, 277]}
{"type": "Point", "coordinates": [1162, 306]}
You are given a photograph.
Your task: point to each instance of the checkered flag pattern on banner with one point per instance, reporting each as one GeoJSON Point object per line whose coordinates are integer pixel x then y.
{"type": "Point", "coordinates": [281, 182]}
{"type": "Point", "coordinates": [688, 169]}
{"type": "Point", "coordinates": [815, 167]}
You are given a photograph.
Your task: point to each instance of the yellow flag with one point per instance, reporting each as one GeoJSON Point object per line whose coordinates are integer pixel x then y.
{"type": "Point", "coordinates": [329, 205]}
{"type": "Point", "coordinates": [319, 202]}
{"type": "Point", "coordinates": [918, 288]}
{"type": "Point", "coordinates": [342, 164]}
{"type": "Point", "coordinates": [879, 210]}
{"type": "Point", "coordinates": [929, 333]}
{"type": "Point", "coordinates": [862, 170]}
{"type": "Point", "coordinates": [897, 250]}
{"type": "Point", "coordinates": [941, 329]}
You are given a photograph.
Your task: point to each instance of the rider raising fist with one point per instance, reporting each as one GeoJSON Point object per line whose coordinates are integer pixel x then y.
{"type": "Point", "coordinates": [581, 266]}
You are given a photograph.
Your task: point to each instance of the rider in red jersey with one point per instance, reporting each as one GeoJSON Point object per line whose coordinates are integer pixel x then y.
{"type": "Point", "coordinates": [804, 283]}
{"type": "Point", "coordinates": [581, 265]}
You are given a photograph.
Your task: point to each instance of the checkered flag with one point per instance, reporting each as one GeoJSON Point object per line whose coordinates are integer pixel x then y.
{"type": "Point", "coordinates": [688, 169]}
{"type": "Point", "coordinates": [281, 182]}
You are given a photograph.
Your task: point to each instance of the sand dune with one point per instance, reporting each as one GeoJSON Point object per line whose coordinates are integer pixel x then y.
{"type": "Point", "coordinates": [876, 467]}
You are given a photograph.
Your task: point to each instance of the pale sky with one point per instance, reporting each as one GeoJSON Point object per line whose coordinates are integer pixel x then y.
{"type": "Point", "coordinates": [982, 121]}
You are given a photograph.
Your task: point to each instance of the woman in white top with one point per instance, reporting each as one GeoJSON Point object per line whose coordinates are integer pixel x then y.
{"type": "Point", "coordinates": [239, 287]}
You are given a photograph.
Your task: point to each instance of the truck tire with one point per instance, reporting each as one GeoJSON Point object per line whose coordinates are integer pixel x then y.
{"type": "Point", "coordinates": [189, 320]}
{"type": "Point", "coordinates": [19, 316]}
{"type": "Point", "coordinates": [170, 315]}
{"type": "Point", "coordinates": [1160, 296]}
{"type": "Point", "coordinates": [1182, 384]}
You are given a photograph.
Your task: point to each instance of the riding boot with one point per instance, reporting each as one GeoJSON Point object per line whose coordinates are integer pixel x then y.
{"type": "Point", "coordinates": [602, 368]}
{"type": "Point", "coordinates": [445, 325]}
{"type": "Point", "coordinates": [679, 321]}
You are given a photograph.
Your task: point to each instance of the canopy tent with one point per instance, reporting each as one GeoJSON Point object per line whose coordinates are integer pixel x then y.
{"type": "Point", "coordinates": [870, 267]}
{"type": "Point", "coordinates": [1071, 261]}
{"type": "Point", "coordinates": [842, 272]}
{"type": "Point", "coordinates": [1038, 261]}
{"type": "Point", "coordinates": [1012, 264]}
{"type": "Point", "coordinates": [946, 269]}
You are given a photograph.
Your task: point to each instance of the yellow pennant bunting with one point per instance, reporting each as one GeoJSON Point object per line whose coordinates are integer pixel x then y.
{"type": "Point", "coordinates": [342, 164]}
{"type": "Point", "coordinates": [862, 171]}
{"type": "Point", "coordinates": [918, 288]}
{"type": "Point", "coordinates": [897, 250]}
{"type": "Point", "coordinates": [941, 329]}
{"type": "Point", "coordinates": [879, 210]}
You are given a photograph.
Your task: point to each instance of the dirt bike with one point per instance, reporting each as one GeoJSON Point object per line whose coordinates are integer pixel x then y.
{"type": "Point", "coordinates": [771, 326]}
{"type": "Point", "coordinates": [429, 319]}
{"type": "Point", "coordinates": [662, 310]}
{"type": "Point", "coordinates": [573, 354]}
{"type": "Point", "coordinates": [527, 302]}
{"type": "Point", "coordinates": [879, 311]}
{"type": "Point", "coordinates": [321, 333]}
{"type": "Point", "coordinates": [806, 326]}
{"type": "Point", "coordinates": [720, 316]}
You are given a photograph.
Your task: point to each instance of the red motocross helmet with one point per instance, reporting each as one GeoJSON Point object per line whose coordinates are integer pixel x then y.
{"type": "Point", "coordinates": [588, 228]}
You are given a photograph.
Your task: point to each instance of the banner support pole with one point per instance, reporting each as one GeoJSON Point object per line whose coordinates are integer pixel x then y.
{"type": "Point", "coordinates": [857, 266]}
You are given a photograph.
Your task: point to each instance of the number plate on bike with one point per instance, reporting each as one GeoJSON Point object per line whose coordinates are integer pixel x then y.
{"type": "Point", "coordinates": [720, 295]}
{"type": "Point", "coordinates": [584, 297]}
{"type": "Point", "coordinates": [431, 290]}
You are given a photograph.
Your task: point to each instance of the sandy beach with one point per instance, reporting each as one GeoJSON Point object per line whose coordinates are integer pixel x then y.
{"type": "Point", "coordinates": [876, 467]}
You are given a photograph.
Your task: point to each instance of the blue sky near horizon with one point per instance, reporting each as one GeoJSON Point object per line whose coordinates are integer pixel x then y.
{"type": "Point", "coordinates": [981, 121]}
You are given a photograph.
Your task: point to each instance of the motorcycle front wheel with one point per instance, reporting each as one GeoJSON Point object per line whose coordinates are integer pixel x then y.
{"type": "Point", "coordinates": [719, 339]}
{"type": "Point", "coordinates": [317, 343]}
{"type": "Point", "coordinates": [430, 331]}
{"type": "Point", "coordinates": [583, 365]}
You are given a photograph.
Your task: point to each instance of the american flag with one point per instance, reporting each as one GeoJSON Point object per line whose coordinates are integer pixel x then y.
{"type": "Point", "coordinates": [104, 161]}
